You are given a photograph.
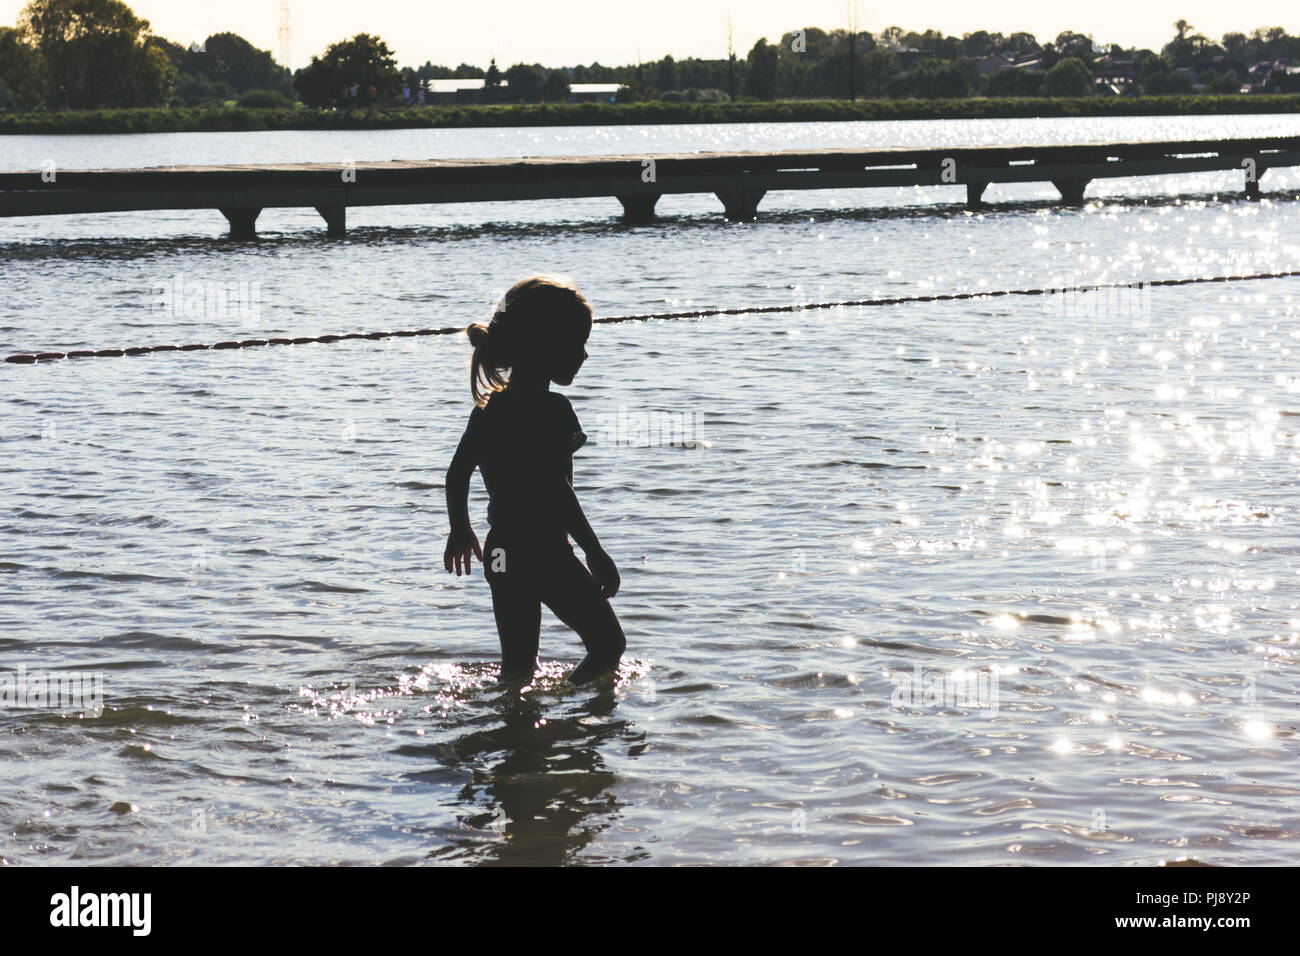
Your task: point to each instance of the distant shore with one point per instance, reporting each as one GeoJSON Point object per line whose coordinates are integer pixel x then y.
{"type": "Point", "coordinates": [234, 118]}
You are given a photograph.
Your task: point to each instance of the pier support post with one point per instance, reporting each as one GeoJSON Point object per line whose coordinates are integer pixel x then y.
{"type": "Point", "coordinates": [975, 195]}
{"type": "Point", "coordinates": [336, 220]}
{"type": "Point", "coordinates": [1252, 182]}
{"type": "Point", "coordinates": [639, 208]}
{"type": "Point", "coordinates": [1071, 190]}
{"type": "Point", "coordinates": [243, 221]}
{"type": "Point", "coordinates": [741, 204]}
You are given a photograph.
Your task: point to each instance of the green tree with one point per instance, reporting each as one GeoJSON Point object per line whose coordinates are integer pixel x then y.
{"type": "Point", "coordinates": [524, 83]}
{"type": "Point", "coordinates": [1068, 78]}
{"type": "Point", "coordinates": [1071, 44]}
{"type": "Point", "coordinates": [1179, 50]}
{"type": "Point", "coordinates": [666, 74]}
{"type": "Point", "coordinates": [1217, 82]}
{"type": "Point", "coordinates": [1013, 82]}
{"type": "Point", "coordinates": [264, 100]}
{"type": "Point", "coordinates": [1022, 43]}
{"type": "Point", "coordinates": [22, 73]}
{"type": "Point", "coordinates": [892, 37]}
{"type": "Point", "coordinates": [760, 77]}
{"type": "Point", "coordinates": [229, 58]}
{"type": "Point", "coordinates": [97, 53]}
{"type": "Point", "coordinates": [878, 68]}
{"type": "Point", "coordinates": [364, 60]}
{"type": "Point", "coordinates": [1234, 44]}
{"type": "Point", "coordinates": [149, 80]}
{"type": "Point", "coordinates": [555, 89]}
{"type": "Point", "coordinates": [1269, 42]}
{"type": "Point", "coordinates": [936, 80]}
{"type": "Point", "coordinates": [982, 43]}
{"type": "Point", "coordinates": [1156, 76]}
{"type": "Point", "coordinates": [492, 83]}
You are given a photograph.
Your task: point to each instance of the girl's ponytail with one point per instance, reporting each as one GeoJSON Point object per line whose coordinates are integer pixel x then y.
{"type": "Point", "coordinates": [487, 365]}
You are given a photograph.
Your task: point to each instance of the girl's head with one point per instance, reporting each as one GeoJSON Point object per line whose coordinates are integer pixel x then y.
{"type": "Point", "coordinates": [540, 325]}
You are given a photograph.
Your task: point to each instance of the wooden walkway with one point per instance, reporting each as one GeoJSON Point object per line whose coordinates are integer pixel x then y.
{"type": "Point", "coordinates": [738, 179]}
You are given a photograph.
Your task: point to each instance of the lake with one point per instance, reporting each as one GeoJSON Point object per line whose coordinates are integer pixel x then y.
{"type": "Point", "coordinates": [999, 581]}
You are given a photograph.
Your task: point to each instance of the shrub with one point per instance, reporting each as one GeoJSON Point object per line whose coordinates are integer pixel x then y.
{"type": "Point", "coordinates": [264, 100]}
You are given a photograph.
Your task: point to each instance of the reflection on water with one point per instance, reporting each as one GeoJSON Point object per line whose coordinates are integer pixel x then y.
{"type": "Point", "coordinates": [523, 767]}
{"type": "Point", "coordinates": [538, 781]}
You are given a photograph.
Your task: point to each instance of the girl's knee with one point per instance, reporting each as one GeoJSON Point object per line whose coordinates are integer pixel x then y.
{"type": "Point", "coordinates": [603, 638]}
{"type": "Point", "coordinates": [611, 639]}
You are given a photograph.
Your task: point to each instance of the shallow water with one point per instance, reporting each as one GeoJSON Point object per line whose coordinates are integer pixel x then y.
{"type": "Point", "coordinates": [1085, 504]}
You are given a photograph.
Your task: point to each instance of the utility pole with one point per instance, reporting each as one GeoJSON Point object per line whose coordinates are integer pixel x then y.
{"type": "Point", "coordinates": [731, 62]}
{"type": "Point", "coordinates": [853, 49]}
{"type": "Point", "coordinates": [285, 34]}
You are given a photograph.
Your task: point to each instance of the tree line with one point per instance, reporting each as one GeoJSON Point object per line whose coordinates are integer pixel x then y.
{"type": "Point", "coordinates": [812, 63]}
{"type": "Point", "coordinates": [95, 54]}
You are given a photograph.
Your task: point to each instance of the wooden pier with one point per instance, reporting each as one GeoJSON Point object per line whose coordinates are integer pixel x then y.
{"type": "Point", "coordinates": [738, 179]}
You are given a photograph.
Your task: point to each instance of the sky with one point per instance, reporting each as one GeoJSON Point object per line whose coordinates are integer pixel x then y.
{"type": "Point", "coordinates": [616, 32]}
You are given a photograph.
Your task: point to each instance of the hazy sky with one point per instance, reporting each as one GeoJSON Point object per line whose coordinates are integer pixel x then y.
{"type": "Point", "coordinates": [566, 32]}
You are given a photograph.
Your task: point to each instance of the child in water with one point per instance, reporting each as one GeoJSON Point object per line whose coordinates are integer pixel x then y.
{"type": "Point", "coordinates": [522, 436]}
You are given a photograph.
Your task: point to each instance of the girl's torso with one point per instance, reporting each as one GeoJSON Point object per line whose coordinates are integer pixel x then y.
{"type": "Point", "coordinates": [524, 446]}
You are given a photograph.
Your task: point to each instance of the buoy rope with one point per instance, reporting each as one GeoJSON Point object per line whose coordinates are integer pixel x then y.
{"type": "Point", "coordinates": [30, 358]}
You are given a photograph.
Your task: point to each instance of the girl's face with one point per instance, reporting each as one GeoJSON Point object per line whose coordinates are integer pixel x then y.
{"type": "Point", "coordinates": [568, 360]}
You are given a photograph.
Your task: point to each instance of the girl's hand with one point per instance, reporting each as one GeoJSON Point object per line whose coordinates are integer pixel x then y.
{"type": "Point", "coordinates": [461, 545]}
{"type": "Point", "coordinates": [602, 568]}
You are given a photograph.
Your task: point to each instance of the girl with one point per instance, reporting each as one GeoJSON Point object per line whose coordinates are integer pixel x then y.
{"type": "Point", "coordinates": [522, 436]}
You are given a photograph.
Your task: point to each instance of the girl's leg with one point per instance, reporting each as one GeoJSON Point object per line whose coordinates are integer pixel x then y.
{"type": "Point", "coordinates": [570, 591]}
{"type": "Point", "coordinates": [518, 611]}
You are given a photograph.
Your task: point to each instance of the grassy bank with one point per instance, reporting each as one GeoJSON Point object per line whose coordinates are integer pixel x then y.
{"type": "Point", "coordinates": [605, 114]}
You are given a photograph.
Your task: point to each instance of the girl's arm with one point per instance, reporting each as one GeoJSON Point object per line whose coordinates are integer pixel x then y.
{"type": "Point", "coordinates": [599, 563]}
{"type": "Point", "coordinates": [461, 541]}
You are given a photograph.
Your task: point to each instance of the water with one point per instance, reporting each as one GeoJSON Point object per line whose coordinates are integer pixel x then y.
{"type": "Point", "coordinates": [1090, 511]}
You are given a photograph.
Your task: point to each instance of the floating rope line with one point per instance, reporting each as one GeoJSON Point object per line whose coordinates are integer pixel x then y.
{"type": "Point", "coordinates": [31, 358]}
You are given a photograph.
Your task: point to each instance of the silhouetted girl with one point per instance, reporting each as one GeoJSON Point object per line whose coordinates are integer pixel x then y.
{"type": "Point", "coordinates": [522, 436]}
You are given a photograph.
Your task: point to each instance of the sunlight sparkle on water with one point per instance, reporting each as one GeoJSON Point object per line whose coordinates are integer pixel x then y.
{"type": "Point", "coordinates": [1257, 730]}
